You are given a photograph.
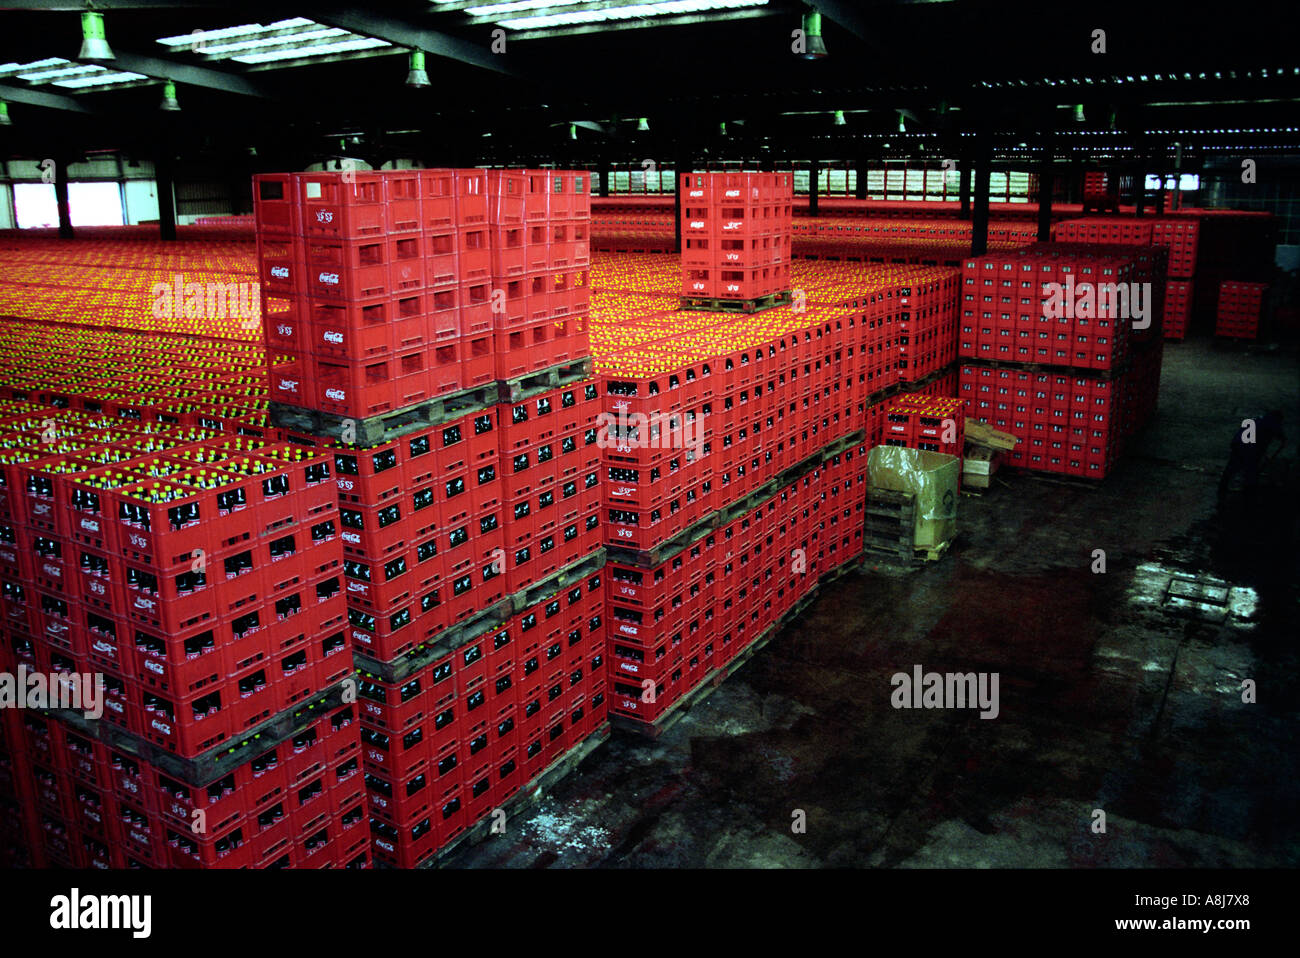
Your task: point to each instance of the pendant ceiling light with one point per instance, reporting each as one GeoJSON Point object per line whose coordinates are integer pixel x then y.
{"type": "Point", "coordinates": [93, 44]}
{"type": "Point", "coordinates": [417, 77]}
{"type": "Point", "coordinates": [169, 102]}
{"type": "Point", "coordinates": [814, 45]}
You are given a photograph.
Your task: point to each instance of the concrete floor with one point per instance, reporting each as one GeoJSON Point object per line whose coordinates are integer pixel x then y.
{"type": "Point", "coordinates": [1109, 699]}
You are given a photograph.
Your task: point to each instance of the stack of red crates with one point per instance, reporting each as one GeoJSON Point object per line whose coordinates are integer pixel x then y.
{"type": "Point", "coordinates": [1069, 423]}
{"type": "Point", "coordinates": [200, 576]}
{"type": "Point", "coordinates": [453, 733]}
{"type": "Point", "coordinates": [550, 467]}
{"type": "Point", "coordinates": [1178, 308]}
{"type": "Point", "coordinates": [540, 232]}
{"type": "Point", "coordinates": [423, 527]}
{"type": "Point", "coordinates": [926, 327]}
{"type": "Point", "coordinates": [1100, 189]}
{"type": "Point", "coordinates": [1239, 309]}
{"type": "Point", "coordinates": [456, 538]}
{"type": "Point", "coordinates": [376, 287]}
{"type": "Point", "coordinates": [736, 230]}
{"type": "Point", "coordinates": [707, 433]}
{"type": "Point", "coordinates": [298, 804]}
{"type": "Point", "coordinates": [1180, 236]}
{"type": "Point", "coordinates": [1069, 418]}
{"type": "Point", "coordinates": [703, 416]}
{"type": "Point", "coordinates": [472, 546]}
{"type": "Point", "coordinates": [920, 421]}
{"type": "Point", "coordinates": [728, 423]}
{"type": "Point", "coordinates": [675, 620]}
{"type": "Point", "coordinates": [1008, 317]}
{"type": "Point", "coordinates": [1105, 229]}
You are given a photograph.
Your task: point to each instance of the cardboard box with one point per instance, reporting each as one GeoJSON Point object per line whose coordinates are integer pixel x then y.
{"type": "Point", "coordinates": [932, 477]}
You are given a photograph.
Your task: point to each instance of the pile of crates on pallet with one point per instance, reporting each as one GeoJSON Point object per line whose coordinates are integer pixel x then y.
{"type": "Point", "coordinates": [1239, 308]}
{"type": "Point", "coordinates": [682, 611]}
{"type": "Point", "coordinates": [473, 560]}
{"type": "Point", "coordinates": [1056, 361]}
{"type": "Point", "coordinates": [197, 579]}
{"type": "Point", "coordinates": [926, 324]}
{"type": "Point", "coordinates": [736, 230]}
{"type": "Point", "coordinates": [1100, 191]}
{"type": "Point", "coordinates": [1206, 248]}
{"type": "Point", "coordinates": [539, 231]}
{"type": "Point", "coordinates": [1178, 235]}
{"type": "Point", "coordinates": [920, 421]}
{"type": "Point", "coordinates": [905, 316]}
{"type": "Point", "coordinates": [734, 475]}
{"type": "Point", "coordinates": [376, 287]}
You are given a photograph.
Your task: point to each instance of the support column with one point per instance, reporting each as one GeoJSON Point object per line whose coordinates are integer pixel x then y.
{"type": "Point", "coordinates": [963, 186]}
{"type": "Point", "coordinates": [1140, 187]}
{"type": "Point", "coordinates": [814, 172]}
{"type": "Point", "coordinates": [979, 237]}
{"type": "Point", "coordinates": [163, 176]}
{"type": "Point", "coordinates": [680, 169]}
{"type": "Point", "coordinates": [1046, 184]}
{"type": "Point", "coordinates": [861, 190]}
{"type": "Point", "coordinates": [61, 197]}
{"type": "Point", "coordinates": [1160, 193]}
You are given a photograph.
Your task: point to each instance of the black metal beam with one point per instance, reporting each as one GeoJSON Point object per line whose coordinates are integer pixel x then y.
{"type": "Point", "coordinates": [34, 97]}
{"type": "Point", "coordinates": [847, 15]}
{"type": "Point", "coordinates": [187, 73]}
{"type": "Point", "coordinates": [406, 34]}
{"type": "Point", "coordinates": [76, 6]}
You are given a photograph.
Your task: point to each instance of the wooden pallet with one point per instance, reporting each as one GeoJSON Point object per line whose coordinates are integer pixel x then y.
{"type": "Point", "coordinates": [904, 553]}
{"type": "Point", "coordinates": [715, 305]}
{"type": "Point", "coordinates": [221, 760]}
{"type": "Point", "coordinates": [889, 529]}
{"type": "Point", "coordinates": [662, 552]}
{"type": "Point", "coordinates": [928, 378]}
{"type": "Point", "coordinates": [932, 553]}
{"type": "Point", "coordinates": [898, 549]}
{"type": "Point", "coordinates": [553, 377]}
{"type": "Point", "coordinates": [1114, 372]}
{"type": "Point", "coordinates": [374, 430]}
{"type": "Point", "coordinates": [448, 640]}
{"type": "Point", "coordinates": [523, 799]}
{"type": "Point", "coordinates": [1061, 479]}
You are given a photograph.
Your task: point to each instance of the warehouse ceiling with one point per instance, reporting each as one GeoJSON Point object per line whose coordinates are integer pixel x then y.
{"type": "Point", "coordinates": [570, 80]}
